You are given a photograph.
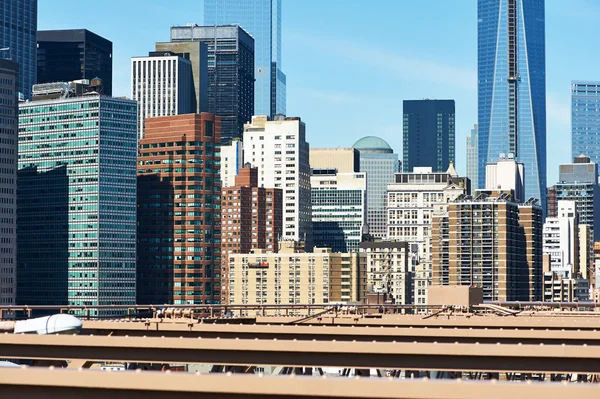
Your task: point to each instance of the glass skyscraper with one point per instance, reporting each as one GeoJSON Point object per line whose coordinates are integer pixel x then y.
{"type": "Point", "coordinates": [511, 69]}
{"type": "Point", "coordinates": [585, 119]}
{"type": "Point", "coordinates": [76, 201]}
{"type": "Point", "coordinates": [18, 32]}
{"type": "Point", "coordinates": [472, 158]}
{"type": "Point", "coordinates": [262, 19]}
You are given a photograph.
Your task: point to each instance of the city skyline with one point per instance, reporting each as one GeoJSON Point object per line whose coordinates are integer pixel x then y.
{"type": "Point", "coordinates": [419, 69]}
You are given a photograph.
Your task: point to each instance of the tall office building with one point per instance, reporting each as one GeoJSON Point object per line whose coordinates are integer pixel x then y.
{"type": "Point", "coordinates": [380, 163]}
{"type": "Point", "coordinates": [67, 55]}
{"type": "Point", "coordinates": [76, 201]}
{"type": "Point", "coordinates": [472, 158]}
{"type": "Point", "coordinates": [279, 150]}
{"type": "Point", "coordinates": [230, 58]}
{"type": "Point", "coordinates": [18, 32]}
{"type": "Point", "coordinates": [511, 68]}
{"type": "Point", "coordinates": [428, 134]}
{"type": "Point", "coordinates": [232, 160]}
{"type": "Point", "coordinates": [344, 160]}
{"type": "Point", "coordinates": [506, 174]}
{"type": "Point", "coordinates": [561, 240]}
{"type": "Point", "coordinates": [585, 119]}
{"type": "Point", "coordinates": [262, 20]}
{"type": "Point", "coordinates": [162, 84]}
{"type": "Point", "coordinates": [179, 198]}
{"type": "Point", "coordinates": [9, 71]}
{"type": "Point", "coordinates": [339, 209]}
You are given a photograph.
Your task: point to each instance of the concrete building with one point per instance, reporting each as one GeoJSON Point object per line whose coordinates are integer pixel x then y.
{"type": "Point", "coordinates": [558, 288]}
{"type": "Point", "coordinates": [232, 160]}
{"type": "Point", "coordinates": [251, 218]}
{"type": "Point", "coordinates": [292, 276]}
{"type": "Point", "coordinates": [389, 278]}
{"type": "Point", "coordinates": [428, 134]}
{"type": "Point", "coordinates": [345, 160]}
{"type": "Point", "coordinates": [489, 241]}
{"type": "Point", "coordinates": [472, 158]}
{"type": "Point", "coordinates": [76, 201]}
{"type": "Point", "coordinates": [279, 150]}
{"type": "Point", "coordinates": [561, 240]}
{"type": "Point", "coordinates": [379, 162]}
{"type": "Point", "coordinates": [506, 174]}
{"type": "Point", "coordinates": [339, 209]}
{"type": "Point", "coordinates": [179, 198]}
{"type": "Point", "coordinates": [162, 84]}
{"type": "Point", "coordinates": [73, 54]}
{"type": "Point", "coordinates": [9, 71]}
{"type": "Point", "coordinates": [586, 251]}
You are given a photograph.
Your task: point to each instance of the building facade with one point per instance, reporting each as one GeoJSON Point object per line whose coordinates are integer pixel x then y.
{"type": "Point", "coordinates": [344, 160]}
{"type": "Point", "coordinates": [18, 31]}
{"type": "Point", "coordinates": [262, 20]}
{"type": "Point", "coordinates": [231, 86]}
{"type": "Point", "coordinates": [292, 276]}
{"type": "Point", "coordinates": [9, 71]}
{"type": "Point", "coordinates": [232, 160]}
{"type": "Point", "coordinates": [473, 158]}
{"type": "Point", "coordinates": [162, 84]}
{"type": "Point", "coordinates": [279, 150]}
{"type": "Point", "coordinates": [380, 163]}
{"type": "Point", "coordinates": [561, 240]}
{"type": "Point", "coordinates": [179, 201]}
{"type": "Point", "coordinates": [339, 209]}
{"type": "Point", "coordinates": [506, 174]}
{"type": "Point", "coordinates": [76, 201]}
{"type": "Point", "coordinates": [511, 69]}
{"type": "Point", "coordinates": [585, 119]}
{"type": "Point", "coordinates": [67, 55]}
{"type": "Point", "coordinates": [428, 134]}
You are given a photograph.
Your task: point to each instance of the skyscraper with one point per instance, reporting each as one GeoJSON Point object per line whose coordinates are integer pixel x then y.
{"type": "Point", "coordinates": [66, 55]}
{"type": "Point", "coordinates": [18, 31]}
{"type": "Point", "coordinates": [585, 119]}
{"type": "Point", "coordinates": [262, 20]}
{"type": "Point", "coordinates": [472, 158]}
{"type": "Point", "coordinates": [230, 76]}
{"type": "Point", "coordinates": [511, 69]}
{"type": "Point", "coordinates": [428, 134]}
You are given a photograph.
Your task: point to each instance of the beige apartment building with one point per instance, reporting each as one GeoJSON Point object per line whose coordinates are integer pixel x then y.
{"type": "Point", "coordinates": [292, 276]}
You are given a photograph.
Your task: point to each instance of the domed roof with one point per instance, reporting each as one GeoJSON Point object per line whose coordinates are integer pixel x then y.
{"type": "Point", "coordinates": [372, 143]}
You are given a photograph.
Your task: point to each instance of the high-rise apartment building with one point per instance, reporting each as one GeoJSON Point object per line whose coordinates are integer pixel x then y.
{"type": "Point", "coordinates": [9, 71]}
{"type": "Point", "coordinates": [73, 54]}
{"type": "Point", "coordinates": [76, 201]}
{"type": "Point", "coordinates": [380, 163]}
{"type": "Point", "coordinates": [428, 134]}
{"type": "Point", "coordinates": [491, 242]}
{"type": "Point", "coordinates": [344, 160]}
{"type": "Point", "coordinates": [232, 160]}
{"type": "Point", "coordinates": [585, 119]}
{"type": "Point", "coordinates": [162, 84]}
{"type": "Point", "coordinates": [339, 209]}
{"type": "Point", "coordinates": [230, 58]}
{"type": "Point", "coordinates": [279, 150]}
{"type": "Point", "coordinates": [292, 276]}
{"type": "Point", "coordinates": [473, 158]}
{"type": "Point", "coordinates": [561, 240]}
{"type": "Point", "coordinates": [18, 31]}
{"type": "Point", "coordinates": [250, 219]}
{"type": "Point", "coordinates": [506, 174]}
{"type": "Point", "coordinates": [179, 201]}
{"type": "Point", "coordinates": [511, 69]}
{"type": "Point", "coordinates": [262, 20]}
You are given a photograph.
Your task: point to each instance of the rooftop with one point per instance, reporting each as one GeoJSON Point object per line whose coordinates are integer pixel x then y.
{"type": "Point", "coordinates": [372, 143]}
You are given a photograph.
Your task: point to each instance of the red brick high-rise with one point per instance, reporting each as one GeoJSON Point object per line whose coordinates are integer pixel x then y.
{"type": "Point", "coordinates": [179, 232]}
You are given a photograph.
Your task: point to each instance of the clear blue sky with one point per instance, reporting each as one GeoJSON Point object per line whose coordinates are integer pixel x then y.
{"type": "Point", "coordinates": [350, 63]}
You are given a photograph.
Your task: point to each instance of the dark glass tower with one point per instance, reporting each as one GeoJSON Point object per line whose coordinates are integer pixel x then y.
{"type": "Point", "coordinates": [66, 55]}
{"type": "Point", "coordinates": [511, 69]}
{"type": "Point", "coordinates": [428, 135]}
{"type": "Point", "coordinates": [18, 30]}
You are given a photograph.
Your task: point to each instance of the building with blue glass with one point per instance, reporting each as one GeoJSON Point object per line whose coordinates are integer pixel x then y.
{"type": "Point", "coordinates": [511, 69]}
{"type": "Point", "coordinates": [76, 199]}
{"type": "Point", "coordinates": [18, 33]}
{"type": "Point", "coordinates": [262, 20]}
{"type": "Point", "coordinates": [380, 163]}
{"type": "Point", "coordinates": [585, 119]}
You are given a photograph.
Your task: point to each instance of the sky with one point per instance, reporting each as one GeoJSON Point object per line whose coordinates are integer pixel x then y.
{"type": "Point", "coordinates": [351, 63]}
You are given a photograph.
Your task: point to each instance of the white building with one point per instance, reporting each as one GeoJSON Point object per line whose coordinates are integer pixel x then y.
{"type": "Point", "coordinates": [163, 85]}
{"type": "Point", "coordinates": [473, 157]}
{"type": "Point", "coordinates": [506, 174]}
{"type": "Point", "coordinates": [232, 159]}
{"type": "Point", "coordinates": [561, 241]}
{"type": "Point", "coordinates": [279, 150]}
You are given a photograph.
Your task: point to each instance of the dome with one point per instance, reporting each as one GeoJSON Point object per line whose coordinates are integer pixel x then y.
{"type": "Point", "coordinates": [372, 143]}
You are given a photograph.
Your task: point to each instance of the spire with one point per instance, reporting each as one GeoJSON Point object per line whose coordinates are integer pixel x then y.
{"type": "Point", "coordinates": [451, 171]}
